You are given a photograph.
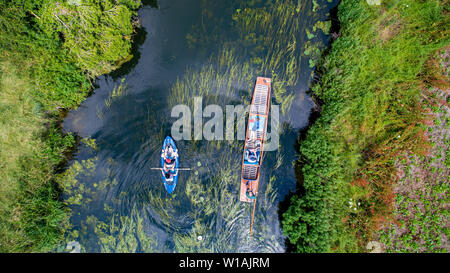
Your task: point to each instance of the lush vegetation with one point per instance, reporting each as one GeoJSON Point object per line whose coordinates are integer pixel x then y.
{"type": "Point", "coordinates": [420, 221]}
{"type": "Point", "coordinates": [49, 53]}
{"type": "Point", "coordinates": [372, 87]}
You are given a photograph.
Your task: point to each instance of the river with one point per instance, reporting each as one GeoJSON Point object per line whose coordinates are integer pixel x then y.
{"type": "Point", "coordinates": [187, 48]}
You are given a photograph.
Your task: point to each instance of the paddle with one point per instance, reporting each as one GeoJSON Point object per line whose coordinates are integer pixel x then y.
{"type": "Point", "coordinates": [180, 169]}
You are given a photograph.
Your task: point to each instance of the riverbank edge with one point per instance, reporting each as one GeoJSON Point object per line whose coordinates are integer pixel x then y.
{"type": "Point", "coordinates": [312, 221]}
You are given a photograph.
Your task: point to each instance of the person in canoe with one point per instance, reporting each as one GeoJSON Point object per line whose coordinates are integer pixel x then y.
{"type": "Point", "coordinates": [249, 192]}
{"type": "Point", "coordinates": [169, 164]}
{"type": "Point", "coordinates": [255, 123]}
{"type": "Point", "coordinates": [170, 155]}
{"type": "Point", "coordinates": [252, 154]}
{"type": "Point", "coordinates": [169, 175]}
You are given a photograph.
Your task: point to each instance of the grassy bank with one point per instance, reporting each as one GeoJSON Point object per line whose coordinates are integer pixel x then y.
{"type": "Point", "coordinates": [373, 84]}
{"type": "Point", "coordinates": [50, 51]}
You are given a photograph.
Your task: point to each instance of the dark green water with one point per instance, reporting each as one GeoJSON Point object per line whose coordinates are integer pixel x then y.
{"type": "Point", "coordinates": [187, 48]}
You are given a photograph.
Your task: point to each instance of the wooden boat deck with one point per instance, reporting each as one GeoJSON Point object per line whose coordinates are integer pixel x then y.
{"type": "Point", "coordinates": [254, 140]}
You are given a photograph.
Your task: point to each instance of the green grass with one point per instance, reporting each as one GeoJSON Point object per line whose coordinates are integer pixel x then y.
{"type": "Point", "coordinates": [420, 218]}
{"type": "Point", "coordinates": [370, 88]}
{"type": "Point", "coordinates": [44, 69]}
{"type": "Point", "coordinates": [31, 217]}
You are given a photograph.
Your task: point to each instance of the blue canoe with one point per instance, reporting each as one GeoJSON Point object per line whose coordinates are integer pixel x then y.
{"type": "Point", "coordinates": [169, 164]}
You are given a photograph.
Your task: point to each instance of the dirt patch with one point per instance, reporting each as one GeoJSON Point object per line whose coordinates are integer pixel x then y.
{"type": "Point", "coordinates": [386, 32]}
{"type": "Point", "coordinates": [421, 223]}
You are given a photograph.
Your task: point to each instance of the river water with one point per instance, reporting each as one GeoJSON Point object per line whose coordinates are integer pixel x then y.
{"type": "Point", "coordinates": [187, 48]}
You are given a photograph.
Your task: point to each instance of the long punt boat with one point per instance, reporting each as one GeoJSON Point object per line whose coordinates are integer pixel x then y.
{"type": "Point", "coordinates": [254, 141]}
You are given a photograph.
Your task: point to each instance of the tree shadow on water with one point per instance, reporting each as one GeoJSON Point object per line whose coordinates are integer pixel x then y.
{"type": "Point", "coordinates": [138, 40]}
{"type": "Point", "coordinates": [151, 3]}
